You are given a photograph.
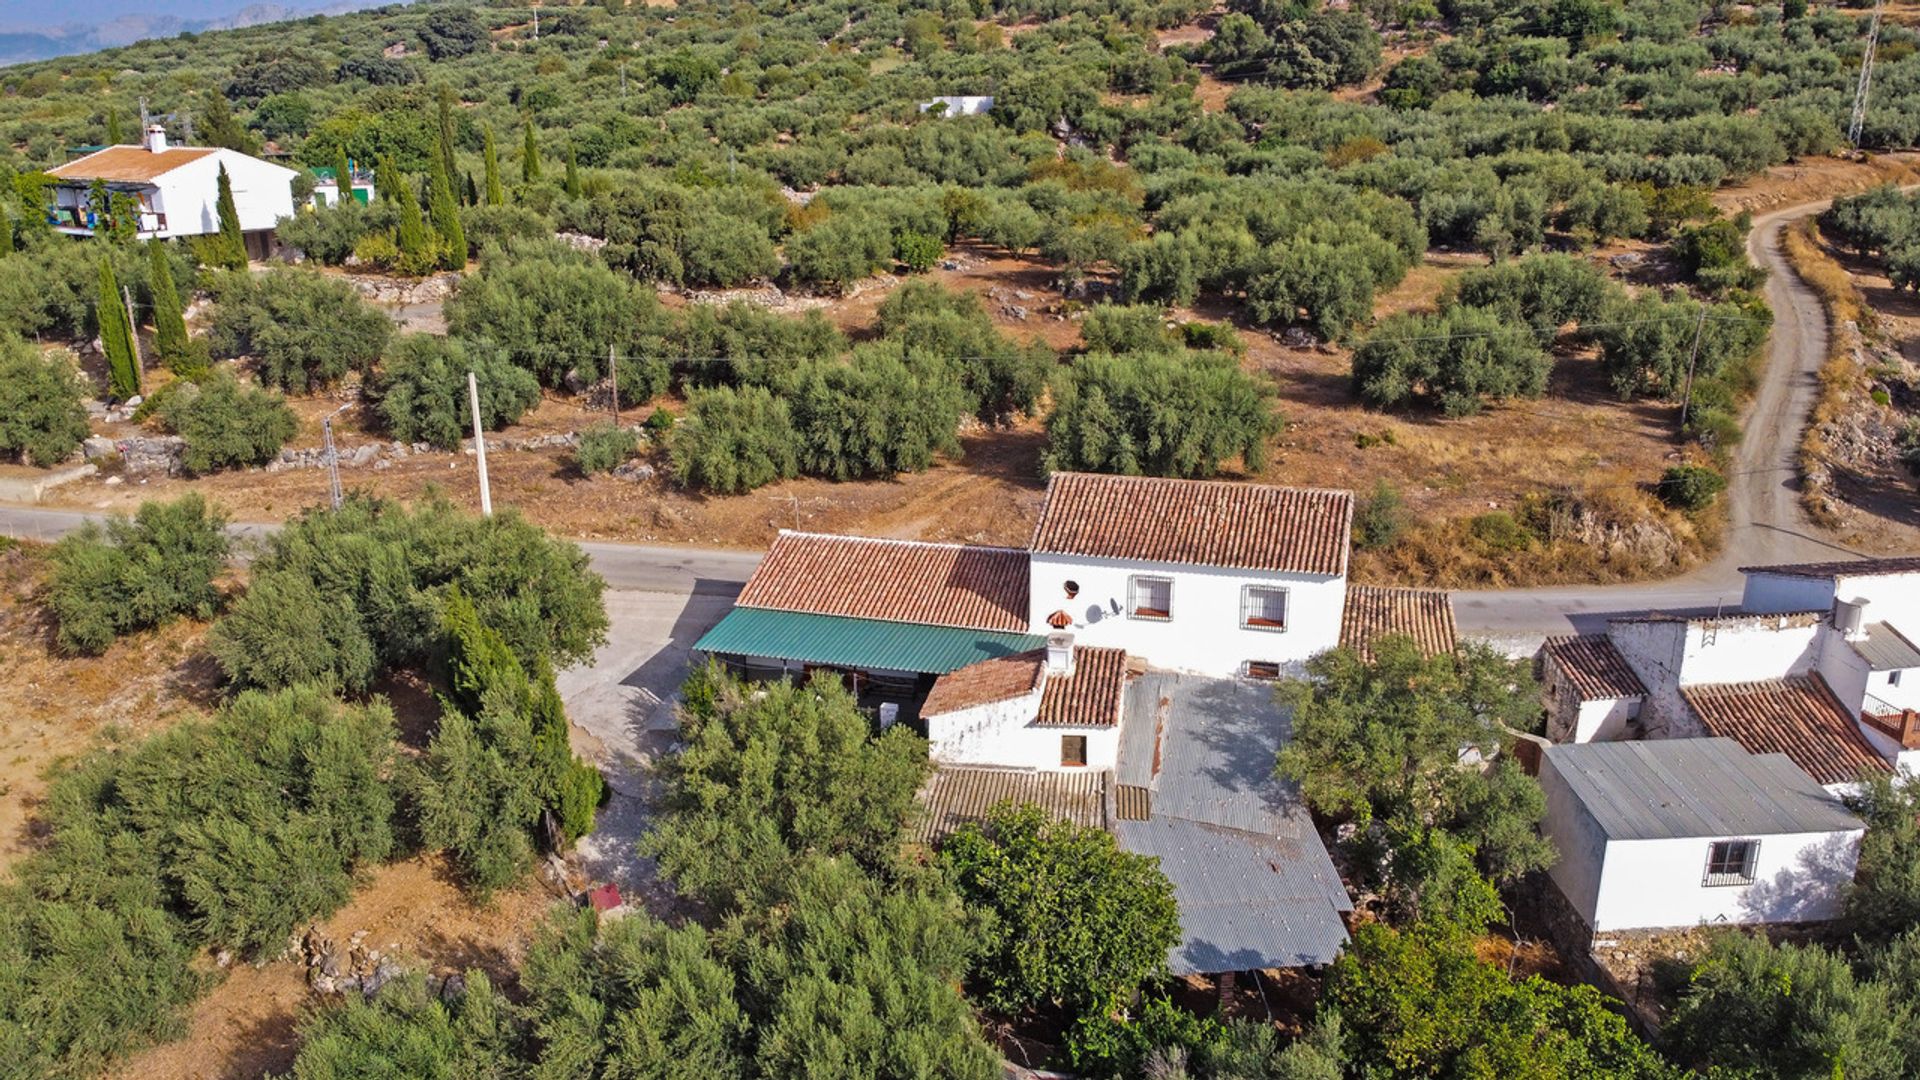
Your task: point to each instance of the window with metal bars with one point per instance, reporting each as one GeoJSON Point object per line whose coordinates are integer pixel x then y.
{"type": "Point", "coordinates": [1731, 862]}
{"type": "Point", "coordinates": [1149, 597]}
{"type": "Point", "coordinates": [1263, 608]}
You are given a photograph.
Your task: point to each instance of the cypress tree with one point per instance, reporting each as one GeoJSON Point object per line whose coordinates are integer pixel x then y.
{"type": "Point", "coordinates": [496, 196]}
{"type": "Point", "coordinates": [572, 182]}
{"type": "Point", "coordinates": [116, 335]}
{"type": "Point", "coordinates": [6, 232]}
{"type": "Point", "coordinates": [470, 195]}
{"type": "Point", "coordinates": [445, 210]}
{"type": "Point", "coordinates": [115, 136]}
{"type": "Point", "coordinates": [444, 108]}
{"type": "Point", "coordinates": [231, 252]}
{"type": "Point", "coordinates": [218, 124]}
{"type": "Point", "coordinates": [412, 236]}
{"type": "Point", "coordinates": [169, 322]}
{"type": "Point", "coordinates": [529, 156]}
{"type": "Point", "coordinates": [343, 173]}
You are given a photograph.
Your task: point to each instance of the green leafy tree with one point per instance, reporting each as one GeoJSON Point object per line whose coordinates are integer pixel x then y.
{"type": "Point", "coordinates": [304, 330]}
{"type": "Point", "coordinates": [1002, 378]}
{"type": "Point", "coordinates": [1072, 920]}
{"type": "Point", "coordinates": [343, 174]}
{"type": "Point", "coordinates": [733, 441]}
{"type": "Point", "coordinates": [529, 154]}
{"type": "Point", "coordinates": [169, 318]}
{"type": "Point", "coordinates": [42, 416]}
{"type": "Point", "coordinates": [490, 153]}
{"type": "Point", "coordinates": [130, 575]}
{"type": "Point", "coordinates": [1885, 899]}
{"type": "Point", "coordinates": [556, 312]}
{"type": "Point", "coordinates": [1177, 415]}
{"type": "Point", "coordinates": [419, 390]}
{"type": "Point", "coordinates": [1457, 360]}
{"type": "Point", "coordinates": [571, 182]}
{"type": "Point", "coordinates": [801, 772]}
{"type": "Point", "coordinates": [227, 425]}
{"type": "Point", "coordinates": [116, 335]}
{"type": "Point", "coordinates": [416, 244]}
{"type": "Point", "coordinates": [408, 1030]}
{"type": "Point", "coordinates": [219, 127]}
{"type": "Point", "coordinates": [229, 252]}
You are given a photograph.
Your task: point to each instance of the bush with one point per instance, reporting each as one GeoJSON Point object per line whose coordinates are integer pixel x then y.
{"type": "Point", "coordinates": [659, 422]}
{"type": "Point", "coordinates": [226, 425]}
{"type": "Point", "coordinates": [420, 389]}
{"type": "Point", "coordinates": [1456, 360]}
{"type": "Point", "coordinates": [346, 595]}
{"type": "Point", "coordinates": [1001, 378]}
{"type": "Point", "coordinates": [1544, 291]}
{"type": "Point", "coordinates": [1381, 519]}
{"type": "Point", "coordinates": [1690, 487]}
{"type": "Point", "coordinates": [303, 330]}
{"type": "Point", "coordinates": [603, 447]}
{"type": "Point", "coordinates": [1648, 344]}
{"type": "Point", "coordinates": [918, 251]}
{"type": "Point", "coordinates": [733, 441]}
{"type": "Point", "coordinates": [1127, 328]}
{"type": "Point", "coordinates": [132, 575]}
{"type": "Point", "coordinates": [42, 418]}
{"type": "Point", "coordinates": [1159, 415]}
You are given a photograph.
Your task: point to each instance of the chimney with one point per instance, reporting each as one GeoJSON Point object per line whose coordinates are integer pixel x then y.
{"type": "Point", "coordinates": [1850, 618]}
{"type": "Point", "coordinates": [1060, 654]}
{"type": "Point", "coordinates": [156, 139]}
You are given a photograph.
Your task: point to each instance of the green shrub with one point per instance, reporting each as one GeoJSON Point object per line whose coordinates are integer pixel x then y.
{"type": "Point", "coordinates": [1498, 532]}
{"type": "Point", "coordinates": [917, 251]}
{"type": "Point", "coordinates": [1127, 328]}
{"type": "Point", "coordinates": [226, 425]}
{"type": "Point", "coordinates": [733, 441]}
{"type": "Point", "coordinates": [1159, 415]}
{"type": "Point", "coordinates": [1690, 487]}
{"type": "Point", "coordinates": [304, 330]}
{"type": "Point", "coordinates": [603, 447]}
{"type": "Point", "coordinates": [135, 574]}
{"type": "Point", "coordinates": [420, 389]}
{"type": "Point", "coordinates": [42, 418]}
{"type": "Point", "coordinates": [1381, 519]}
{"type": "Point", "coordinates": [659, 422]}
{"type": "Point", "coordinates": [1457, 360]}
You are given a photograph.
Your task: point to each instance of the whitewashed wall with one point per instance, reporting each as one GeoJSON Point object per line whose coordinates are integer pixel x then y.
{"type": "Point", "coordinates": [1577, 837]}
{"type": "Point", "coordinates": [1652, 884]}
{"type": "Point", "coordinates": [1782, 592]}
{"type": "Point", "coordinates": [190, 194]}
{"type": "Point", "coordinates": [1204, 635]}
{"type": "Point", "coordinates": [1003, 733]}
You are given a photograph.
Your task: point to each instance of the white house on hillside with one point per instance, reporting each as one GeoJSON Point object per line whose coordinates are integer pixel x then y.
{"type": "Point", "coordinates": [175, 190]}
{"type": "Point", "coordinates": [1672, 833]}
{"type": "Point", "coordinates": [1820, 664]}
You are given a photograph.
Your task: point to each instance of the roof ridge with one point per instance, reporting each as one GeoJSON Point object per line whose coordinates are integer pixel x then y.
{"type": "Point", "coordinates": [952, 545]}
{"type": "Point", "coordinates": [1210, 481]}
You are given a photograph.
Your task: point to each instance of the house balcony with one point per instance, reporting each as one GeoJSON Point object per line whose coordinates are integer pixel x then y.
{"type": "Point", "coordinates": [75, 221]}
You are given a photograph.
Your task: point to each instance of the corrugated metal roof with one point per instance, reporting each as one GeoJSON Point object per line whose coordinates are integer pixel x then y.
{"type": "Point", "coordinates": [953, 796]}
{"type": "Point", "coordinates": [1246, 901]}
{"type": "Point", "coordinates": [1887, 649]}
{"type": "Point", "coordinates": [1674, 788]}
{"type": "Point", "coordinates": [1206, 749]}
{"type": "Point", "coordinates": [913, 581]}
{"type": "Point", "coordinates": [865, 644]}
{"type": "Point", "coordinates": [1197, 522]}
{"type": "Point", "coordinates": [1593, 664]}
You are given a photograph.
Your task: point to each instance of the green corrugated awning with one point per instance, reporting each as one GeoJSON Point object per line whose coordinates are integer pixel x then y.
{"type": "Point", "coordinates": [863, 644]}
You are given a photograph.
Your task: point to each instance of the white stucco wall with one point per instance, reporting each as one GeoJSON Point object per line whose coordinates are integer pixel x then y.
{"type": "Point", "coordinates": [1002, 733]}
{"type": "Point", "coordinates": [1607, 719]}
{"type": "Point", "coordinates": [1204, 634]}
{"type": "Point", "coordinates": [1887, 595]}
{"type": "Point", "coordinates": [1743, 649]}
{"type": "Point", "coordinates": [190, 195]}
{"type": "Point", "coordinates": [1655, 649]}
{"type": "Point", "coordinates": [1782, 592]}
{"type": "Point", "coordinates": [1578, 839]}
{"type": "Point", "coordinates": [1653, 884]}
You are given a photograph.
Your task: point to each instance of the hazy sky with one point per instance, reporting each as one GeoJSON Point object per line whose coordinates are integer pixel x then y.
{"type": "Point", "coordinates": [40, 14]}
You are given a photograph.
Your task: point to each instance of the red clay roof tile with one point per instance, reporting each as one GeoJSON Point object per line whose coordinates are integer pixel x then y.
{"type": "Point", "coordinates": [1425, 615]}
{"type": "Point", "coordinates": [130, 164]}
{"type": "Point", "coordinates": [1796, 716]}
{"type": "Point", "coordinates": [975, 588]}
{"type": "Point", "coordinates": [1090, 697]}
{"type": "Point", "coordinates": [1001, 679]}
{"type": "Point", "coordinates": [1198, 522]}
{"type": "Point", "coordinates": [1593, 664]}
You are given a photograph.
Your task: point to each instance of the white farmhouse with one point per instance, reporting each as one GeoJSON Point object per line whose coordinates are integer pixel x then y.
{"type": "Point", "coordinates": [175, 190]}
{"type": "Point", "coordinates": [959, 105]}
{"type": "Point", "coordinates": [1673, 833]}
{"type": "Point", "coordinates": [1820, 663]}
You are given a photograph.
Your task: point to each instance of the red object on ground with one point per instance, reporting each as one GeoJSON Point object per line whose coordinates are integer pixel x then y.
{"type": "Point", "coordinates": [604, 898]}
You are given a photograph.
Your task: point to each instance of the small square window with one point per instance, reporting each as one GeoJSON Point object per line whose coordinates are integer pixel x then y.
{"type": "Point", "coordinates": [1263, 608]}
{"type": "Point", "coordinates": [1150, 597]}
{"type": "Point", "coordinates": [1731, 862]}
{"type": "Point", "coordinates": [1073, 750]}
{"type": "Point", "coordinates": [1893, 678]}
{"type": "Point", "coordinates": [1263, 669]}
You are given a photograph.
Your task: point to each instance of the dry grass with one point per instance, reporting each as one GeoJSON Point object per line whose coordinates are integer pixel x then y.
{"type": "Point", "coordinates": [1841, 376]}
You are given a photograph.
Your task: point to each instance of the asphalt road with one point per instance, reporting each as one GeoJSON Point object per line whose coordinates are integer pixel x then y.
{"type": "Point", "coordinates": [1767, 524]}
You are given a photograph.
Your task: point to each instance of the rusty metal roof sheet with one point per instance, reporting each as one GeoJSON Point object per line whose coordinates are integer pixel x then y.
{"type": "Point", "coordinates": [975, 587]}
{"type": "Point", "coordinates": [1593, 664]}
{"type": "Point", "coordinates": [1796, 716]}
{"type": "Point", "coordinates": [954, 796]}
{"type": "Point", "coordinates": [1425, 615]}
{"type": "Point", "coordinates": [1197, 522]}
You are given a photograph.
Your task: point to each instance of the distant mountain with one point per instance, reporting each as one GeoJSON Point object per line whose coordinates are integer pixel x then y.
{"type": "Point", "coordinates": [22, 42]}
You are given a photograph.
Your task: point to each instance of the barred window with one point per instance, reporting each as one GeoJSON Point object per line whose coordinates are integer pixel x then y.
{"type": "Point", "coordinates": [1263, 608]}
{"type": "Point", "coordinates": [1150, 597]}
{"type": "Point", "coordinates": [1731, 862]}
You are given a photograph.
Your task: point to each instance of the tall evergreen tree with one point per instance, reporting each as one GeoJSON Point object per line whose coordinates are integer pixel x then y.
{"type": "Point", "coordinates": [411, 236]}
{"type": "Point", "coordinates": [470, 193]}
{"type": "Point", "coordinates": [169, 321]}
{"type": "Point", "coordinates": [6, 232]}
{"type": "Point", "coordinates": [115, 136]}
{"type": "Point", "coordinates": [220, 128]}
{"type": "Point", "coordinates": [572, 181]}
{"type": "Point", "coordinates": [443, 107]}
{"type": "Point", "coordinates": [231, 251]}
{"type": "Point", "coordinates": [529, 155]}
{"type": "Point", "coordinates": [343, 173]}
{"type": "Point", "coordinates": [116, 335]}
{"type": "Point", "coordinates": [445, 210]}
{"type": "Point", "coordinates": [496, 195]}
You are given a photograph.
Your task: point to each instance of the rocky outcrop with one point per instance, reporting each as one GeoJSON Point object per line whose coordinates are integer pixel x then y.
{"type": "Point", "coordinates": [400, 291]}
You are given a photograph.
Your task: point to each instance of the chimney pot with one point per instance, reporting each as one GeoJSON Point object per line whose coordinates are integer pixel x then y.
{"type": "Point", "coordinates": [156, 139]}
{"type": "Point", "coordinates": [1059, 654]}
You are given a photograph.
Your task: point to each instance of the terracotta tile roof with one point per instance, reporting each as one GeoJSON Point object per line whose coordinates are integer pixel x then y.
{"type": "Point", "coordinates": [1000, 679]}
{"type": "Point", "coordinates": [1594, 666]}
{"type": "Point", "coordinates": [134, 164]}
{"type": "Point", "coordinates": [1797, 716]}
{"type": "Point", "coordinates": [1198, 522]}
{"type": "Point", "coordinates": [1425, 615]}
{"type": "Point", "coordinates": [1090, 697]}
{"type": "Point", "coordinates": [976, 588]}
{"type": "Point", "coordinates": [1905, 564]}
{"type": "Point", "coordinates": [952, 797]}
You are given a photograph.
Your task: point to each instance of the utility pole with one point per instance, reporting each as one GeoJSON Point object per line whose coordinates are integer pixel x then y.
{"type": "Point", "coordinates": [144, 119]}
{"type": "Point", "coordinates": [536, 24]}
{"type": "Point", "coordinates": [479, 446]}
{"type": "Point", "coordinates": [613, 367]}
{"type": "Point", "coordinates": [1686, 400]}
{"type": "Point", "coordinates": [1859, 119]}
{"type": "Point", "coordinates": [133, 333]}
{"type": "Point", "coordinates": [623, 80]}
{"type": "Point", "coordinates": [332, 456]}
